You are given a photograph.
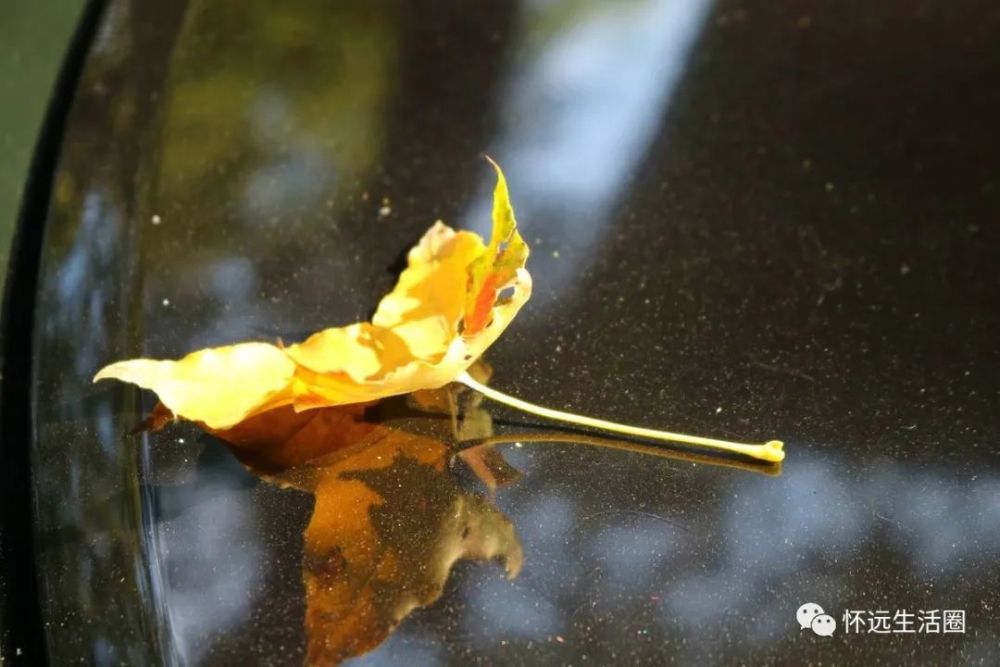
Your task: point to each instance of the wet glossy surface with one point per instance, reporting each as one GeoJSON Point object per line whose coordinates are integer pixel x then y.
{"type": "Point", "coordinates": [746, 222]}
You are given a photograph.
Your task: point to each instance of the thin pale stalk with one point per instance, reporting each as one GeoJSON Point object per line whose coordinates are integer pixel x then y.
{"type": "Point", "coordinates": [772, 451]}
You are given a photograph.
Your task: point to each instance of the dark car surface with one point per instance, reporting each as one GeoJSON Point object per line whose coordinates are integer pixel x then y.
{"type": "Point", "coordinates": [747, 220]}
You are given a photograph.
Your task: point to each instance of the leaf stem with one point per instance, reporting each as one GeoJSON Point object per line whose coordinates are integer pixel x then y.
{"type": "Point", "coordinates": [771, 451]}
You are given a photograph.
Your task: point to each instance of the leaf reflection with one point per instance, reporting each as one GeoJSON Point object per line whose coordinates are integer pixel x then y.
{"type": "Point", "coordinates": [389, 520]}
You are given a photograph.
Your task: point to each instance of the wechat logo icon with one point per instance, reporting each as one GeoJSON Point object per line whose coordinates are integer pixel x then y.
{"type": "Point", "coordinates": [811, 615]}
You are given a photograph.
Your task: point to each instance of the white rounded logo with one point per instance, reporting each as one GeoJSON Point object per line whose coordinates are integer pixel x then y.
{"type": "Point", "coordinates": [807, 613]}
{"type": "Point", "coordinates": [823, 625]}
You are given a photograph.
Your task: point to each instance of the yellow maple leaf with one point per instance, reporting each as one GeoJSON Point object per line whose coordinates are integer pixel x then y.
{"type": "Point", "coordinates": [443, 313]}
{"type": "Point", "coordinates": [453, 300]}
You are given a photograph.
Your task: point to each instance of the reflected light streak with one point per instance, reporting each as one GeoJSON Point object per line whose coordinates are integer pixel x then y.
{"type": "Point", "coordinates": [583, 110]}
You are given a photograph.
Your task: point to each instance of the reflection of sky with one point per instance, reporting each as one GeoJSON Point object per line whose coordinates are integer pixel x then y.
{"type": "Point", "coordinates": [233, 283]}
{"type": "Point", "coordinates": [206, 581]}
{"type": "Point", "coordinates": [801, 532]}
{"type": "Point", "coordinates": [403, 649]}
{"type": "Point", "coordinates": [931, 513]}
{"type": "Point", "coordinates": [80, 302]}
{"type": "Point", "coordinates": [628, 552]}
{"type": "Point", "coordinates": [522, 609]}
{"type": "Point", "coordinates": [299, 170]}
{"type": "Point", "coordinates": [771, 529]}
{"type": "Point", "coordinates": [742, 562]}
{"type": "Point", "coordinates": [583, 108]}
{"type": "Point", "coordinates": [816, 519]}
